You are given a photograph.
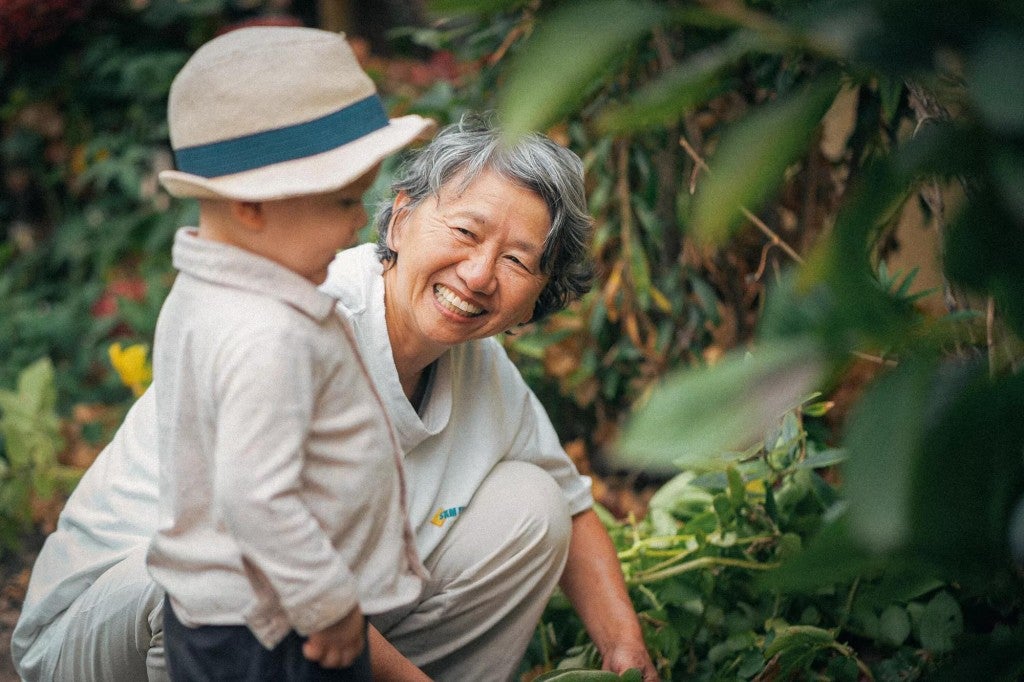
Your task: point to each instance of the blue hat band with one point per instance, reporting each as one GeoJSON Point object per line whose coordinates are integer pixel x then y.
{"type": "Point", "coordinates": [257, 150]}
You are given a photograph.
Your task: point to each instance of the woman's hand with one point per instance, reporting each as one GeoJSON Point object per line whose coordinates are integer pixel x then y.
{"type": "Point", "coordinates": [624, 656]}
{"type": "Point", "coordinates": [338, 645]}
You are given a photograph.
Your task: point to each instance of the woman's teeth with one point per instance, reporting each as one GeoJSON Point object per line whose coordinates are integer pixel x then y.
{"type": "Point", "coordinates": [449, 300]}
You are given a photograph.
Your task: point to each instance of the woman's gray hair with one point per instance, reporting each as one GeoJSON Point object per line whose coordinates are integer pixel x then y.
{"type": "Point", "coordinates": [463, 150]}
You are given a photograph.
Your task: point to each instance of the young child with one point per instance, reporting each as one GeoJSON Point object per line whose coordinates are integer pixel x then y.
{"type": "Point", "coordinates": [282, 513]}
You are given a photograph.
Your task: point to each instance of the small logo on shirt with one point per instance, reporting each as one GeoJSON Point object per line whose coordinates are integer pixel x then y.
{"type": "Point", "coordinates": [443, 515]}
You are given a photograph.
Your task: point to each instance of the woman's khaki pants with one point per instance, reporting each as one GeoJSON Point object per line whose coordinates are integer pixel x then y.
{"type": "Point", "coordinates": [490, 579]}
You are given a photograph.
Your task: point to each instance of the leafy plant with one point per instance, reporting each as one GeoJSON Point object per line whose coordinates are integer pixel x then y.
{"type": "Point", "coordinates": [30, 473]}
{"type": "Point", "coordinates": [697, 568]}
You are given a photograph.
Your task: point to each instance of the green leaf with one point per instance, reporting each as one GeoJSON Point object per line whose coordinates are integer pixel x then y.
{"type": "Point", "coordinates": [706, 295]}
{"type": "Point", "coordinates": [471, 6]}
{"type": "Point", "coordinates": [696, 415]}
{"type": "Point", "coordinates": [35, 387]}
{"type": "Point", "coordinates": [894, 625]}
{"type": "Point", "coordinates": [818, 409]}
{"type": "Point", "coordinates": [1008, 171]}
{"type": "Point", "coordinates": [854, 301]}
{"type": "Point", "coordinates": [966, 485]}
{"type": "Point", "coordinates": [883, 445]}
{"type": "Point", "coordinates": [985, 253]}
{"type": "Point", "coordinates": [678, 90]}
{"type": "Point", "coordinates": [831, 556]}
{"type": "Point", "coordinates": [890, 91]}
{"type": "Point", "coordinates": [825, 458]}
{"type": "Point", "coordinates": [994, 80]}
{"type": "Point", "coordinates": [753, 156]}
{"type": "Point", "coordinates": [941, 621]}
{"type": "Point", "coordinates": [677, 498]}
{"type": "Point", "coordinates": [569, 48]}
{"type": "Point", "coordinates": [799, 636]}
{"type": "Point", "coordinates": [994, 655]}
{"type": "Point", "coordinates": [737, 491]}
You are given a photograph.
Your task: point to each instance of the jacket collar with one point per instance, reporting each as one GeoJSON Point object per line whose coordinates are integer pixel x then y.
{"type": "Point", "coordinates": [230, 266]}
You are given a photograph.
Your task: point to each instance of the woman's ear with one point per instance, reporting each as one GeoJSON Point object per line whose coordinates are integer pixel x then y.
{"type": "Point", "coordinates": [399, 206]}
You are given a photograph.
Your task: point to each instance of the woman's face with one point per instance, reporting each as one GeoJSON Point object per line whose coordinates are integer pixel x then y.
{"type": "Point", "coordinates": [468, 261]}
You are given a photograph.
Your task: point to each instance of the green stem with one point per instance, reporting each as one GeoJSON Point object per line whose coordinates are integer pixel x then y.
{"type": "Point", "coordinates": [848, 607]}
{"type": "Point", "coordinates": [694, 564]}
{"type": "Point", "coordinates": [545, 649]}
{"type": "Point", "coordinates": [639, 544]}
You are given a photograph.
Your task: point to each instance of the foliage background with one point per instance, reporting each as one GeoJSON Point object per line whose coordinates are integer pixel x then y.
{"type": "Point", "coordinates": [808, 235]}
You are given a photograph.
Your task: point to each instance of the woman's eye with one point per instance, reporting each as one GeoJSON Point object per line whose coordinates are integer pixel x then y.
{"type": "Point", "coordinates": [518, 263]}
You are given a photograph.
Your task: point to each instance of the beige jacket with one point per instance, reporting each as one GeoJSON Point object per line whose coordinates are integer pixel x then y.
{"type": "Point", "coordinates": [282, 502]}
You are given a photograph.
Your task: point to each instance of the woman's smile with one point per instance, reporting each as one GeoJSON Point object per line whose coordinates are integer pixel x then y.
{"type": "Point", "coordinates": [449, 300]}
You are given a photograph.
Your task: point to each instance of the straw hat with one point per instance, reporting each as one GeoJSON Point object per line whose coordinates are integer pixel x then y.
{"type": "Point", "coordinates": [267, 113]}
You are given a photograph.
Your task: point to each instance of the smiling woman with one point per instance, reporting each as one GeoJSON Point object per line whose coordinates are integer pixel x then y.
{"type": "Point", "coordinates": [483, 235]}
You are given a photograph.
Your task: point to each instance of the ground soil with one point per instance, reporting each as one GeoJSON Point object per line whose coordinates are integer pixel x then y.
{"type": "Point", "coordinates": [14, 572]}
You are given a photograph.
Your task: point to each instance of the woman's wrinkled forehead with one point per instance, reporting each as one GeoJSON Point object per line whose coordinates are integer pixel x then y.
{"type": "Point", "coordinates": [459, 183]}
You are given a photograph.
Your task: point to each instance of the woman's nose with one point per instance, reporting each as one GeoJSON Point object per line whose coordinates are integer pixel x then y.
{"type": "Point", "coordinates": [477, 271]}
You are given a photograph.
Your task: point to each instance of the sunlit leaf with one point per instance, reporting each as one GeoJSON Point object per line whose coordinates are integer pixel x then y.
{"type": "Point", "coordinates": [569, 49]}
{"type": "Point", "coordinates": [753, 156]}
{"type": "Point", "coordinates": [35, 387]}
{"type": "Point", "coordinates": [696, 415]}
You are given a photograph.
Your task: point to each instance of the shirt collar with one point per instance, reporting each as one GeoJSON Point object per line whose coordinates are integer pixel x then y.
{"type": "Point", "coordinates": [230, 266]}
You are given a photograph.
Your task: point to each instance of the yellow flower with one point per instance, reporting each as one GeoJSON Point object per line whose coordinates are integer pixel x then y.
{"type": "Point", "coordinates": [132, 366]}
{"type": "Point", "coordinates": [755, 486]}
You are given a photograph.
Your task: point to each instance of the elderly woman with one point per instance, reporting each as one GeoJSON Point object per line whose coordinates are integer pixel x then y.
{"type": "Point", "coordinates": [480, 238]}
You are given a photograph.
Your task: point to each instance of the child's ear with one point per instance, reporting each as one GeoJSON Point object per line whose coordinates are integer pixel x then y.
{"type": "Point", "coordinates": [397, 221]}
{"type": "Point", "coordinates": [249, 214]}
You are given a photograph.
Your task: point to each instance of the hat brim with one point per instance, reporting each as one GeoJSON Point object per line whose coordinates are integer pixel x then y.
{"type": "Point", "coordinates": [318, 174]}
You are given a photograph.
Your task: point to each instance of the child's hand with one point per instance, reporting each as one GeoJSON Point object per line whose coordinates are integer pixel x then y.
{"type": "Point", "coordinates": [338, 645]}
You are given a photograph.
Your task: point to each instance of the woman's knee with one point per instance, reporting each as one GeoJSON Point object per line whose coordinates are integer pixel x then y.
{"type": "Point", "coordinates": [535, 507]}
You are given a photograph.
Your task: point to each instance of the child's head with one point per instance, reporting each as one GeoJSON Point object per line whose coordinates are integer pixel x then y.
{"type": "Point", "coordinates": [300, 233]}
{"type": "Point", "coordinates": [279, 132]}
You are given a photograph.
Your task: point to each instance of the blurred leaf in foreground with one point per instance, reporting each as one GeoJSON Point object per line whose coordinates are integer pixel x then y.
{"type": "Point", "coordinates": [753, 157]}
{"type": "Point", "coordinates": [698, 414]}
{"type": "Point", "coordinates": [567, 51]}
